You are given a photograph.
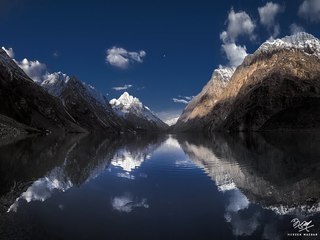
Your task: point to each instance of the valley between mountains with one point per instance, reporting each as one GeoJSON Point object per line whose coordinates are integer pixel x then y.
{"type": "Point", "coordinates": [275, 88]}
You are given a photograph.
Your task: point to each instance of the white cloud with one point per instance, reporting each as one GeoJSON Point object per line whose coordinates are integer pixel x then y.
{"type": "Point", "coordinates": [239, 24]}
{"type": "Point", "coordinates": [182, 99]}
{"type": "Point", "coordinates": [310, 10]}
{"type": "Point", "coordinates": [121, 58]}
{"type": "Point", "coordinates": [176, 100]}
{"type": "Point", "coordinates": [34, 69]}
{"type": "Point", "coordinates": [186, 97]}
{"type": "Point", "coordinates": [268, 14]}
{"type": "Point", "coordinates": [241, 225]}
{"type": "Point", "coordinates": [120, 88]}
{"type": "Point", "coordinates": [9, 51]}
{"type": "Point", "coordinates": [235, 54]}
{"type": "Point", "coordinates": [56, 54]}
{"type": "Point", "coordinates": [126, 175]}
{"type": "Point", "coordinates": [294, 28]}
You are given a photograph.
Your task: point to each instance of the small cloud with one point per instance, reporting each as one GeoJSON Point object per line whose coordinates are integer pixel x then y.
{"type": "Point", "coordinates": [176, 100]}
{"type": "Point", "coordinates": [268, 14]}
{"type": "Point", "coordinates": [56, 54]}
{"type": "Point", "coordinates": [186, 97]}
{"type": "Point", "coordinates": [294, 28]}
{"type": "Point", "coordinates": [125, 87]}
{"type": "Point", "coordinates": [182, 99]}
{"type": "Point", "coordinates": [127, 204]}
{"type": "Point", "coordinates": [310, 10]}
{"type": "Point", "coordinates": [126, 175]}
{"type": "Point", "coordinates": [140, 88]}
{"type": "Point", "coordinates": [121, 58]}
{"type": "Point", "coordinates": [9, 51]}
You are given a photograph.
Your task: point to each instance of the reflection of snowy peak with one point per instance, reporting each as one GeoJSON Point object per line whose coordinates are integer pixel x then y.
{"type": "Point", "coordinates": [222, 172]}
{"type": "Point", "coordinates": [129, 161]}
{"type": "Point", "coordinates": [42, 189]}
{"type": "Point", "coordinates": [229, 175]}
{"type": "Point", "coordinates": [131, 109]}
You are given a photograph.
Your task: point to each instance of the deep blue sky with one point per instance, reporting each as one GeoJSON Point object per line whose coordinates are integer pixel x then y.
{"type": "Point", "coordinates": [186, 32]}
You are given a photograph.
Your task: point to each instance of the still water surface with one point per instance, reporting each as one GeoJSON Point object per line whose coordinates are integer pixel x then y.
{"type": "Point", "coordinates": [160, 187]}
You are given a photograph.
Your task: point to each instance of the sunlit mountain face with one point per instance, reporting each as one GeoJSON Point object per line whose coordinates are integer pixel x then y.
{"type": "Point", "coordinates": [247, 186]}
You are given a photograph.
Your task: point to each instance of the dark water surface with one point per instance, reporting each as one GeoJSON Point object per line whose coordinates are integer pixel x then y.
{"type": "Point", "coordinates": [160, 187]}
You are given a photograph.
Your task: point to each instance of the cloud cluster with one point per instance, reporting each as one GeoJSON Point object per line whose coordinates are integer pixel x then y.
{"type": "Point", "coordinates": [268, 14]}
{"type": "Point", "coordinates": [120, 88]}
{"type": "Point", "coordinates": [9, 51]}
{"type": "Point", "coordinates": [121, 58]}
{"type": "Point", "coordinates": [234, 53]}
{"type": "Point", "coordinates": [310, 10]}
{"type": "Point", "coordinates": [34, 69]}
{"type": "Point", "coordinates": [239, 24]}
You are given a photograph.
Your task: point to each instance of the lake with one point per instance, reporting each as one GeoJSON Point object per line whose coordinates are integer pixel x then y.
{"type": "Point", "coordinates": [257, 186]}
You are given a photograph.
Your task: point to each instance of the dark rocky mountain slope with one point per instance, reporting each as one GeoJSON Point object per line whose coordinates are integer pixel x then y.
{"type": "Point", "coordinates": [25, 102]}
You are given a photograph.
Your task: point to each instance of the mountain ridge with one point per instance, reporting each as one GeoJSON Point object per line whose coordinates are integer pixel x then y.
{"type": "Point", "coordinates": [279, 78]}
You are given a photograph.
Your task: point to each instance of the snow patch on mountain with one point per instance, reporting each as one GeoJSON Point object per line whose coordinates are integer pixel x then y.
{"type": "Point", "coordinates": [56, 83]}
{"type": "Point", "coordinates": [299, 41]}
{"type": "Point", "coordinates": [223, 73]}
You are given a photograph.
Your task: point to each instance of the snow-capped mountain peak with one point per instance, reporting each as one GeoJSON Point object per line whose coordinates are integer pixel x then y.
{"type": "Point", "coordinates": [130, 107]}
{"type": "Point", "coordinates": [126, 101]}
{"type": "Point", "coordinates": [223, 73]}
{"type": "Point", "coordinates": [299, 41]}
{"type": "Point", "coordinates": [55, 83]}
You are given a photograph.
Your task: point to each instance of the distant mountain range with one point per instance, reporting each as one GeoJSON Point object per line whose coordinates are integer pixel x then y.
{"type": "Point", "coordinates": [275, 88]}
{"type": "Point", "coordinates": [60, 103]}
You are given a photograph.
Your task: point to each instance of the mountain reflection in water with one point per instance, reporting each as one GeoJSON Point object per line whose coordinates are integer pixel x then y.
{"type": "Point", "coordinates": [159, 186]}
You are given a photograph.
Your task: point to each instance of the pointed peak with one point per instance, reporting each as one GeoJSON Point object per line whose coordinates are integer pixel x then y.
{"type": "Point", "coordinates": [126, 99]}
{"type": "Point", "coordinates": [223, 73]}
